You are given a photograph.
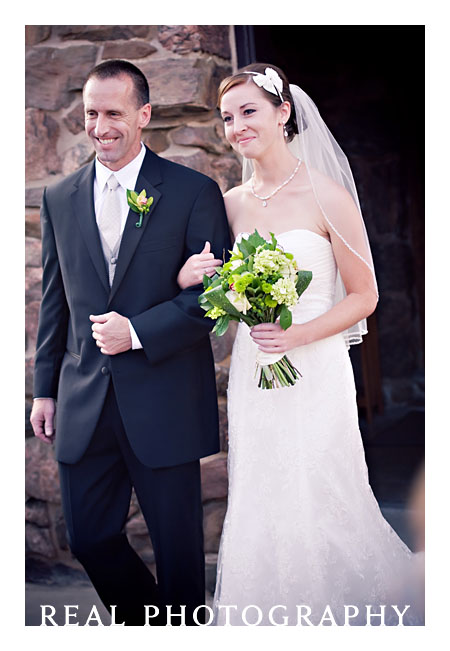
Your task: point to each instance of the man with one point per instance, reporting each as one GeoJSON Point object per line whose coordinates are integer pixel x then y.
{"type": "Point", "coordinates": [126, 354]}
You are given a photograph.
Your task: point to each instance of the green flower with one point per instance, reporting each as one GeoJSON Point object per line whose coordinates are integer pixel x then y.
{"type": "Point", "coordinates": [243, 281]}
{"type": "Point", "coordinates": [139, 203]}
{"type": "Point", "coordinates": [270, 301]}
{"type": "Point", "coordinates": [215, 312]}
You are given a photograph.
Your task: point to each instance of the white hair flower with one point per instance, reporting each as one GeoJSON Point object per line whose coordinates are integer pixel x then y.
{"type": "Point", "coordinates": [270, 81]}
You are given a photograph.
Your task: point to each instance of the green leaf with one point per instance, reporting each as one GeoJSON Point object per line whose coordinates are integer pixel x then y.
{"type": "Point", "coordinates": [222, 324]}
{"type": "Point", "coordinates": [236, 255]}
{"type": "Point", "coordinates": [256, 240]}
{"type": "Point", "coordinates": [285, 317]}
{"type": "Point", "coordinates": [246, 248]}
{"type": "Point", "coordinates": [303, 280]}
{"type": "Point", "coordinates": [217, 297]}
{"type": "Point", "coordinates": [274, 242]}
{"type": "Point", "coordinates": [216, 281]}
{"type": "Point", "coordinates": [203, 298]}
{"type": "Point", "coordinates": [239, 270]}
{"type": "Point", "coordinates": [207, 281]}
{"type": "Point", "coordinates": [205, 305]}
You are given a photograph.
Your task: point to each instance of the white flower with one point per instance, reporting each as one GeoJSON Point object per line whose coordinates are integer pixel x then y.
{"type": "Point", "coordinates": [284, 292]}
{"type": "Point", "coordinates": [292, 273]}
{"type": "Point", "coordinates": [234, 264]}
{"type": "Point", "coordinates": [267, 261]}
{"type": "Point", "coordinates": [270, 80]}
{"type": "Point", "coordinates": [239, 301]}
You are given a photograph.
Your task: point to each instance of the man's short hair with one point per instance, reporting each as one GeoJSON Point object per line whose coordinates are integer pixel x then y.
{"type": "Point", "coordinates": [118, 67]}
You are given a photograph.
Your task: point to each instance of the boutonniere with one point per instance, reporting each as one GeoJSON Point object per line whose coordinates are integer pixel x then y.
{"type": "Point", "coordinates": [139, 203]}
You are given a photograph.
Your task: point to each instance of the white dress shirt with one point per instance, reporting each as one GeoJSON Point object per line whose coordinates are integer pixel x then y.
{"type": "Point", "coordinates": [127, 177]}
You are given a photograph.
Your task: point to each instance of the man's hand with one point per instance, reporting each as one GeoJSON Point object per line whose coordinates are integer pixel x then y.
{"type": "Point", "coordinates": [191, 273]}
{"type": "Point", "coordinates": [111, 332]}
{"type": "Point", "coordinates": [42, 419]}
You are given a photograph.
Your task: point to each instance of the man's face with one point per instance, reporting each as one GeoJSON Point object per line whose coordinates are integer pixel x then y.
{"type": "Point", "coordinates": [112, 120]}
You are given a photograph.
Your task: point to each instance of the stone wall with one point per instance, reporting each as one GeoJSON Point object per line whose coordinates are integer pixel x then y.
{"type": "Point", "coordinates": [184, 65]}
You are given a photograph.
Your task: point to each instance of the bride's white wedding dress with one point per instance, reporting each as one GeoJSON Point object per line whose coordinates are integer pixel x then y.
{"type": "Point", "coordinates": [302, 525]}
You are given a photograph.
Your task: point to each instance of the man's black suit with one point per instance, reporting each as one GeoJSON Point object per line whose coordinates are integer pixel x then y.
{"type": "Point", "coordinates": [151, 411]}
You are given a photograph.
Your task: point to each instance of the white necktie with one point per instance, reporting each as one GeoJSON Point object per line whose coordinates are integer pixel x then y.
{"type": "Point", "coordinates": [110, 216]}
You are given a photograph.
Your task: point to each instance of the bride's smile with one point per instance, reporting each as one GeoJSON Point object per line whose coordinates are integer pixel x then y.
{"type": "Point", "coordinates": [253, 126]}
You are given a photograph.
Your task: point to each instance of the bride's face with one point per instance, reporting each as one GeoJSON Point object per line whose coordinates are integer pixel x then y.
{"type": "Point", "coordinates": [252, 123]}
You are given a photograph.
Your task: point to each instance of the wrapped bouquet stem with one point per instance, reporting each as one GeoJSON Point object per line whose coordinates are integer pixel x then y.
{"type": "Point", "coordinates": [275, 370]}
{"type": "Point", "coordinates": [259, 284]}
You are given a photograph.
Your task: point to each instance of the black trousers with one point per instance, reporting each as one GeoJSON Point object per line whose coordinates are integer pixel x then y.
{"type": "Point", "coordinates": [96, 495]}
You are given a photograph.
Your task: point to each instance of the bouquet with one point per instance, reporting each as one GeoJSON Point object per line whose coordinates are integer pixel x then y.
{"type": "Point", "coordinates": [258, 284]}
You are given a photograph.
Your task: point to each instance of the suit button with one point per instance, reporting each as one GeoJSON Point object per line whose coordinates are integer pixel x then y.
{"type": "Point", "coordinates": [105, 370]}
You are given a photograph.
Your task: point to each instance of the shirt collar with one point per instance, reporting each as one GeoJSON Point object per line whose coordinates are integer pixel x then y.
{"type": "Point", "coordinates": [126, 176]}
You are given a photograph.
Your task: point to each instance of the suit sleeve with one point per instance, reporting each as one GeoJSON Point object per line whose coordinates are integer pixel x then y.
{"type": "Point", "coordinates": [173, 326]}
{"type": "Point", "coordinates": [53, 315]}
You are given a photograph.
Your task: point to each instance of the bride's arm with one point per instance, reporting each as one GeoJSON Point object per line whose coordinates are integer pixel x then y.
{"type": "Point", "coordinates": [360, 302]}
{"type": "Point", "coordinates": [191, 273]}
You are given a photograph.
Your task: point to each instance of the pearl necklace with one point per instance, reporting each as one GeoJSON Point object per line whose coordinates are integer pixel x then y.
{"type": "Point", "coordinates": [269, 196]}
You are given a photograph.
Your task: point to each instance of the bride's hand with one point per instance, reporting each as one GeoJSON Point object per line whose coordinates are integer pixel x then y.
{"type": "Point", "coordinates": [271, 338]}
{"type": "Point", "coordinates": [191, 273]}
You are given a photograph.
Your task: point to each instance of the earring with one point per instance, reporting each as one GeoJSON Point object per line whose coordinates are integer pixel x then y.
{"type": "Point", "coordinates": [285, 133]}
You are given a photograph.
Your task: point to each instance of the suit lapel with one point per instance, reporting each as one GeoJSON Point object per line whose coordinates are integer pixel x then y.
{"type": "Point", "coordinates": [82, 201]}
{"type": "Point", "coordinates": [149, 177]}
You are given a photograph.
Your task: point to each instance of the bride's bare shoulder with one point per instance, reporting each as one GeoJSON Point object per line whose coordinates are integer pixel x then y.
{"type": "Point", "coordinates": [235, 200]}
{"type": "Point", "coordinates": [237, 194]}
{"type": "Point", "coordinates": [329, 189]}
{"type": "Point", "coordinates": [335, 200]}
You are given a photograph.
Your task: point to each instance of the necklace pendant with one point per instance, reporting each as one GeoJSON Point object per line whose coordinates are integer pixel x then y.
{"type": "Point", "coordinates": [280, 187]}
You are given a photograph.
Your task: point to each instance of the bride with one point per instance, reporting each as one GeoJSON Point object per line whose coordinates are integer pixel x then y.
{"type": "Point", "coordinates": [303, 535]}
